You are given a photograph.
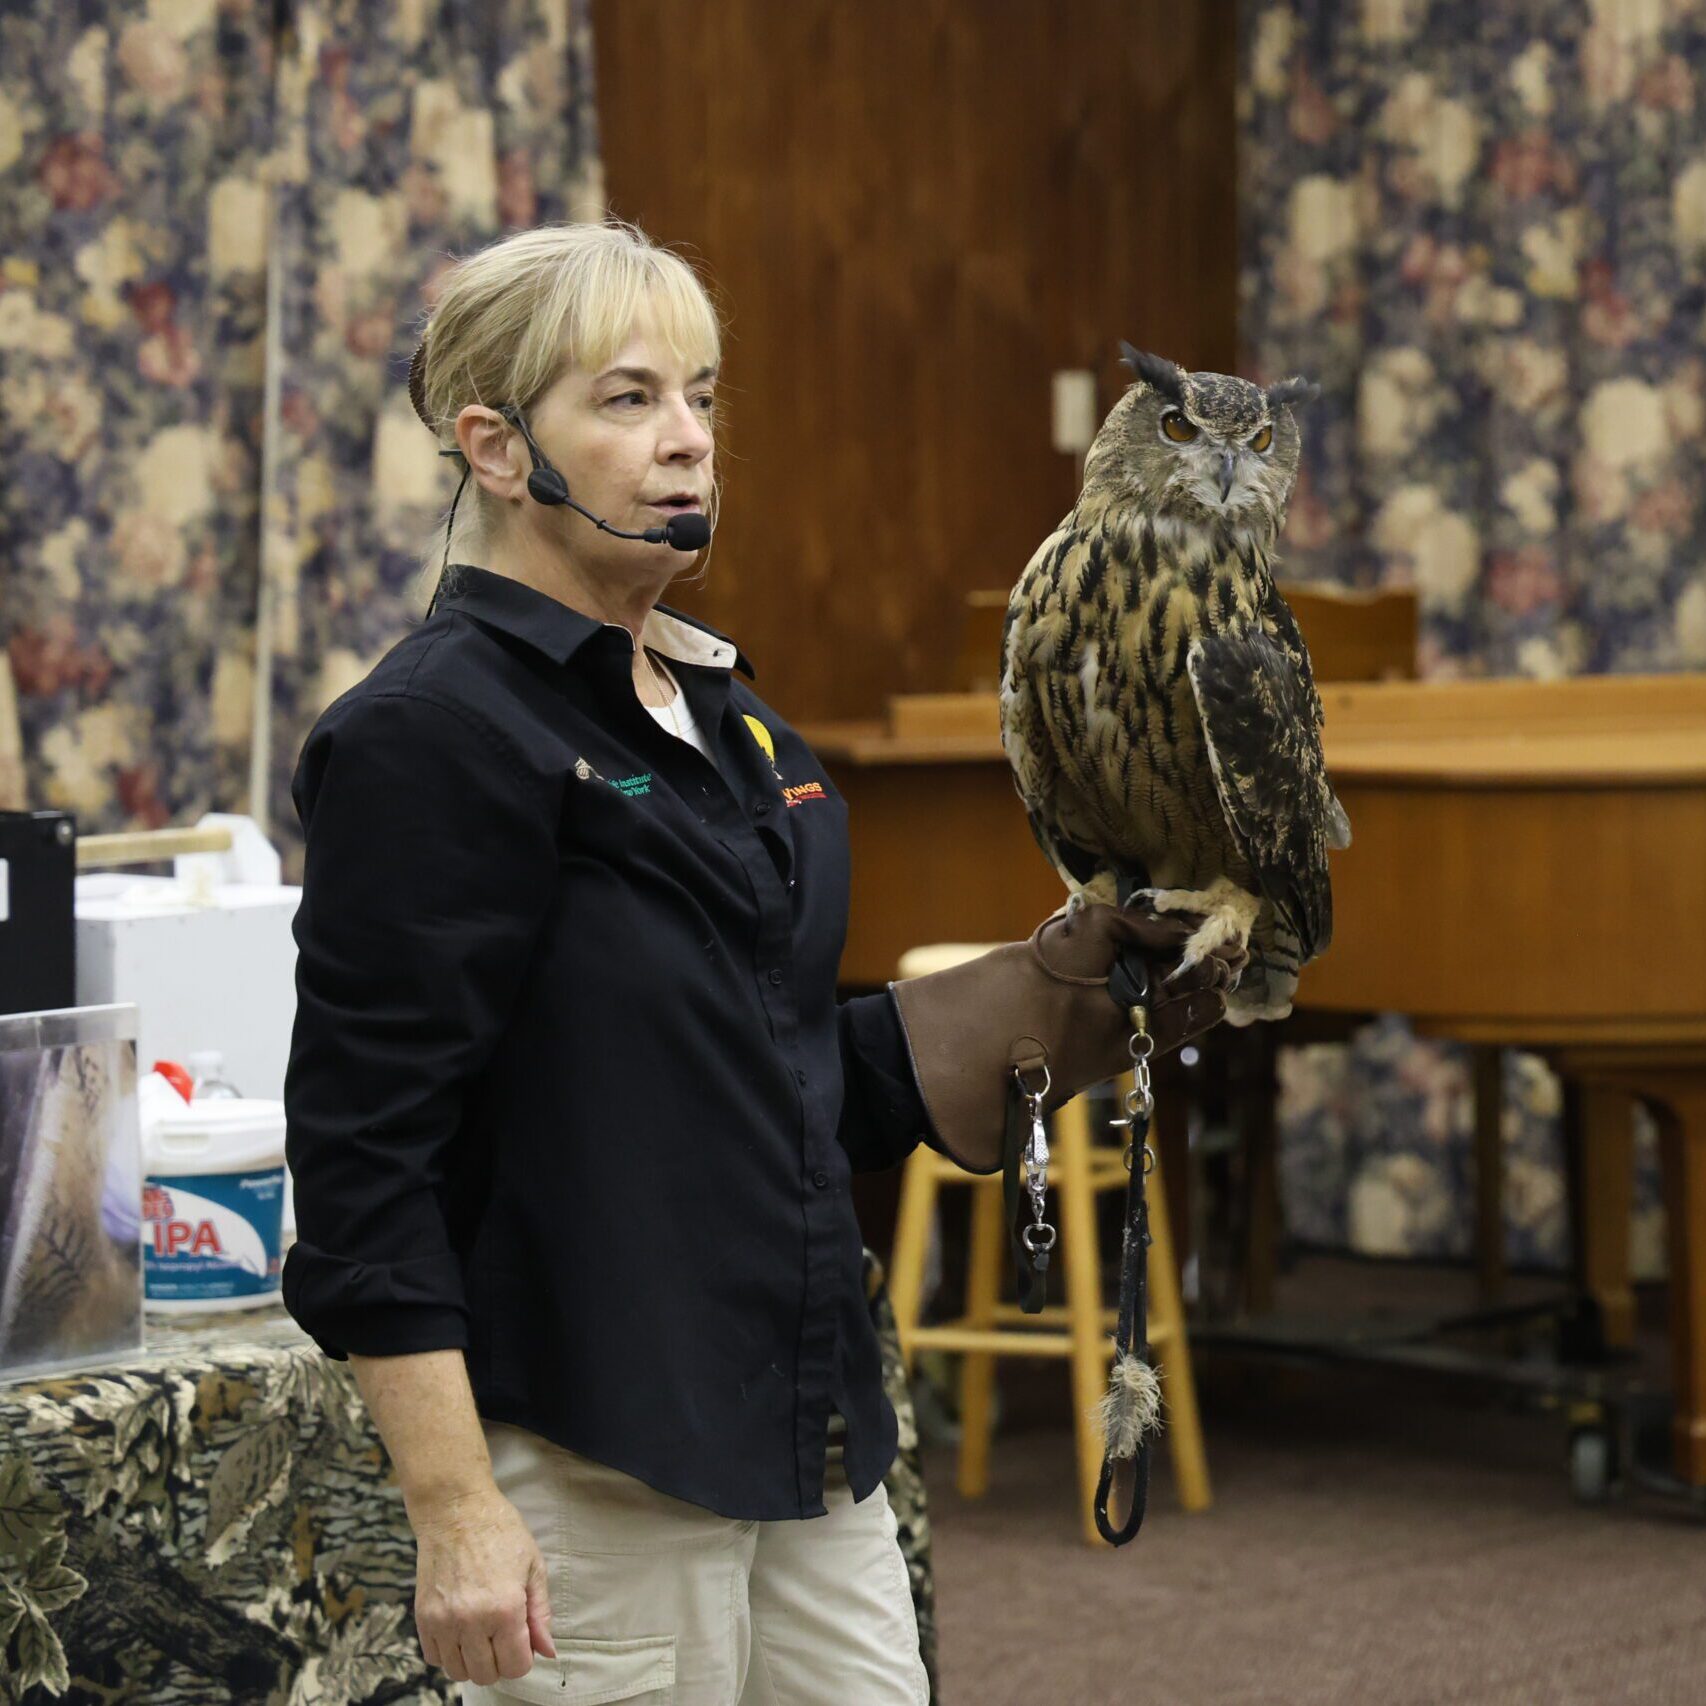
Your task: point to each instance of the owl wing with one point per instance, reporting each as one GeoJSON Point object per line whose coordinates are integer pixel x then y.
{"type": "Point", "coordinates": [1026, 737]}
{"type": "Point", "coordinates": [1281, 627]}
{"type": "Point", "coordinates": [1264, 747]}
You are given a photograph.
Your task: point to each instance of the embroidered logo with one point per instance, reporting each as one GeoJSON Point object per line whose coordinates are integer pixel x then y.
{"type": "Point", "coordinates": [632, 786]}
{"type": "Point", "coordinates": [797, 794]}
{"type": "Point", "coordinates": [762, 736]}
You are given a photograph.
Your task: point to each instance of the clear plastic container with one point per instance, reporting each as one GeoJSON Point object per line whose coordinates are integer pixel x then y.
{"type": "Point", "coordinates": [207, 1068]}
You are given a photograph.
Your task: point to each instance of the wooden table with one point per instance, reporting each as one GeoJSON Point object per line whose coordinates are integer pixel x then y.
{"type": "Point", "coordinates": [1528, 869]}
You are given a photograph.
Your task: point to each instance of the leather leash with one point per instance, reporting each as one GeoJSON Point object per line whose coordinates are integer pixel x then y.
{"type": "Point", "coordinates": [1129, 985]}
{"type": "Point", "coordinates": [1025, 1159]}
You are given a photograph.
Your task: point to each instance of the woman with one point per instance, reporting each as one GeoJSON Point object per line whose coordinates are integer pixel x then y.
{"type": "Point", "coordinates": [572, 1106]}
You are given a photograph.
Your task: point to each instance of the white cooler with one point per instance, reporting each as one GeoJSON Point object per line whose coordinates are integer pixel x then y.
{"type": "Point", "coordinates": [207, 967]}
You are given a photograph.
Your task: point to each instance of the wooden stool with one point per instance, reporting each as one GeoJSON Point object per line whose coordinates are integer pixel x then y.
{"type": "Point", "coordinates": [1081, 1330]}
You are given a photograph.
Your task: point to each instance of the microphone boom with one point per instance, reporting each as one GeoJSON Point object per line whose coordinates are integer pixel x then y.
{"type": "Point", "coordinates": [689, 532]}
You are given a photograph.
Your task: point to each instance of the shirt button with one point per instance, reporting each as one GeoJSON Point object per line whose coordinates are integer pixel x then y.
{"type": "Point", "coordinates": [800, 1073]}
{"type": "Point", "coordinates": [760, 807]}
{"type": "Point", "coordinates": [775, 974]}
{"type": "Point", "coordinates": [820, 1180]}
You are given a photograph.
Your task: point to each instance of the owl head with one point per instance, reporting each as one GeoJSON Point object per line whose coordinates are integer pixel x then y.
{"type": "Point", "coordinates": [1202, 447]}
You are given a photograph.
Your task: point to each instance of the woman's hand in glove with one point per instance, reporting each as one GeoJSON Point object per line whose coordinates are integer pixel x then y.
{"type": "Point", "coordinates": [1048, 999]}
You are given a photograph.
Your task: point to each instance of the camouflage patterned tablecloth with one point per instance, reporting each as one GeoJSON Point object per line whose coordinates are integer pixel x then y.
{"type": "Point", "coordinates": [213, 1520]}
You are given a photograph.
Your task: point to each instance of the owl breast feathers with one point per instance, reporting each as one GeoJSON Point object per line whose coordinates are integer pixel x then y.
{"type": "Point", "coordinates": [1157, 705]}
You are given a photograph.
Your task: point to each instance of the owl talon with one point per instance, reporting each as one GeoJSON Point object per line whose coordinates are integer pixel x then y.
{"type": "Point", "coordinates": [1221, 916]}
{"type": "Point", "coordinates": [1152, 901]}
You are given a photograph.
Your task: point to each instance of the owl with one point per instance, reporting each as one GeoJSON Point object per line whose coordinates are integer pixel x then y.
{"type": "Point", "coordinates": [1157, 705]}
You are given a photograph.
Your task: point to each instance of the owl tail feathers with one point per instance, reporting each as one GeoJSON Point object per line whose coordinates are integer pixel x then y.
{"type": "Point", "coordinates": [1264, 992]}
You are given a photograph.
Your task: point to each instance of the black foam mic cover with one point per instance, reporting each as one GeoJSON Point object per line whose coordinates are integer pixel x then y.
{"type": "Point", "coordinates": [545, 485]}
{"type": "Point", "coordinates": [688, 532]}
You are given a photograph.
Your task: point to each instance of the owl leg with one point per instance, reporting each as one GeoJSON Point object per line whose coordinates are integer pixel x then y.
{"type": "Point", "coordinates": [1228, 916]}
{"type": "Point", "coordinates": [1099, 888]}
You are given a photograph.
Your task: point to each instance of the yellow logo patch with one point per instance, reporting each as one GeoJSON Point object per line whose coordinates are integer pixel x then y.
{"type": "Point", "coordinates": [762, 736]}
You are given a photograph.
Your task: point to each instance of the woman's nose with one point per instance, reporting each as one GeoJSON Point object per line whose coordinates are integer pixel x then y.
{"type": "Point", "coordinates": [685, 434]}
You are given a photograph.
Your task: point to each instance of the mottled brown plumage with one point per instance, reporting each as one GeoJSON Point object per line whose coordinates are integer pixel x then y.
{"type": "Point", "coordinates": [1157, 704]}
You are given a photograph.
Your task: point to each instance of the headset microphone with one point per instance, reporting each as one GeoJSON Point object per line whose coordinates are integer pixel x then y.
{"type": "Point", "coordinates": [689, 532]}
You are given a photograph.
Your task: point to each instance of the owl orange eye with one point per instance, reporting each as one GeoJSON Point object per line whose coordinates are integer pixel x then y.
{"type": "Point", "coordinates": [1177, 428]}
{"type": "Point", "coordinates": [1262, 439]}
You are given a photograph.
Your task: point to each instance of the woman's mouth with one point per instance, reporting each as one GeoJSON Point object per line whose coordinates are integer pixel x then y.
{"type": "Point", "coordinates": [680, 503]}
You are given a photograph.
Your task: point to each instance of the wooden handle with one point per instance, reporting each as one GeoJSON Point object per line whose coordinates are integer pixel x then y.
{"type": "Point", "coordinates": [144, 846]}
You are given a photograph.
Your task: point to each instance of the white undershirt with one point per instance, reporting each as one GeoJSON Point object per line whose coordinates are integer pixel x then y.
{"type": "Point", "coordinates": [683, 722]}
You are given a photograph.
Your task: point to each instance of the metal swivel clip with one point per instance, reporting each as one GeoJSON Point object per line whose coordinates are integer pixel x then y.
{"type": "Point", "coordinates": [1038, 1238]}
{"type": "Point", "coordinates": [1140, 1098]}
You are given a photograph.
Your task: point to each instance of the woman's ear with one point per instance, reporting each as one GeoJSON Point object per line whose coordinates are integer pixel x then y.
{"type": "Point", "coordinates": [491, 448]}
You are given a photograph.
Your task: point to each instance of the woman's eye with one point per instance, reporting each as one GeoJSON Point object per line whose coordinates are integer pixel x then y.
{"type": "Point", "coordinates": [1177, 428]}
{"type": "Point", "coordinates": [1262, 439]}
{"type": "Point", "coordinates": [706, 403]}
{"type": "Point", "coordinates": [630, 397]}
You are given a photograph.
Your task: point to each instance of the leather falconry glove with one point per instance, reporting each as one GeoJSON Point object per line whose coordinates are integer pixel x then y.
{"type": "Point", "coordinates": [967, 1027]}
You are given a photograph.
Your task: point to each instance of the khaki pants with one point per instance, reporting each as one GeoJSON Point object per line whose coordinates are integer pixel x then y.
{"type": "Point", "coordinates": [662, 1603]}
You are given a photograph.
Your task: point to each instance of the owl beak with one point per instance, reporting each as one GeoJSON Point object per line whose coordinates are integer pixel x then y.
{"type": "Point", "coordinates": [1228, 467]}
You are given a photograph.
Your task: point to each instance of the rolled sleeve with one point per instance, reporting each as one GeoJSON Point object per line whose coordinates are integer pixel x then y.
{"type": "Point", "coordinates": [431, 864]}
{"type": "Point", "coordinates": [882, 1113]}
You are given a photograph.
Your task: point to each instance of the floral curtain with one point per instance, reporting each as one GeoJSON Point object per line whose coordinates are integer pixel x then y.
{"type": "Point", "coordinates": [219, 223]}
{"type": "Point", "coordinates": [1483, 229]}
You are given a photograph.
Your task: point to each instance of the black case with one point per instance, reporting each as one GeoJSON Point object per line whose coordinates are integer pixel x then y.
{"type": "Point", "coordinates": [38, 940]}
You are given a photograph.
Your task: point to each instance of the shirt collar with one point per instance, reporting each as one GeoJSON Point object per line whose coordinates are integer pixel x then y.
{"type": "Point", "coordinates": [551, 627]}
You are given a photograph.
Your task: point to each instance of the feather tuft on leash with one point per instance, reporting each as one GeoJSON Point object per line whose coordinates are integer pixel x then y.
{"type": "Point", "coordinates": [1130, 1410]}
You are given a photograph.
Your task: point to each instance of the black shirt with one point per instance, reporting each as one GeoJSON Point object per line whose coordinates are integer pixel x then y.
{"type": "Point", "coordinates": [569, 1087]}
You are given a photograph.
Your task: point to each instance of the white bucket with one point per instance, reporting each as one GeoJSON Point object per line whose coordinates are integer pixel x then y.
{"type": "Point", "coordinates": [212, 1204]}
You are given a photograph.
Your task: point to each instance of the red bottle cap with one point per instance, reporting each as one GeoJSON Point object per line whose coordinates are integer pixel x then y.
{"type": "Point", "coordinates": [177, 1077]}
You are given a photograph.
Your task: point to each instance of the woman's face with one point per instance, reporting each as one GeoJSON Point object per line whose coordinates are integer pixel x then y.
{"type": "Point", "coordinates": [634, 441]}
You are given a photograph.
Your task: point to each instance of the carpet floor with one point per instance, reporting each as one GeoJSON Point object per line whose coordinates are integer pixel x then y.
{"type": "Point", "coordinates": [1373, 1540]}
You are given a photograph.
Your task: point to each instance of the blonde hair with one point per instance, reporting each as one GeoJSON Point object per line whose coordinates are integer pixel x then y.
{"type": "Point", "coordinates": [510, 317]}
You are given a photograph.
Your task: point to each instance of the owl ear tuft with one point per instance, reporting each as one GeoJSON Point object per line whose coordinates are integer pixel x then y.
{"type": "Point", "coordinates": [1155, 371]}
{"type": "Point", "coordinates": [1289, 392]}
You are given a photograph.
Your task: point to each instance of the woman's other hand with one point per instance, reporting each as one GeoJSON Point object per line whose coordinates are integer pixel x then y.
{"type": "Point", "coordinates": [482, 1604]}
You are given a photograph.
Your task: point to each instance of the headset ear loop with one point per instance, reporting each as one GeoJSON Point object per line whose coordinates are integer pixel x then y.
{"type": "Point", "coordinates": [544, 485]}
{"type": "Point", "coordinates": [517, 420]}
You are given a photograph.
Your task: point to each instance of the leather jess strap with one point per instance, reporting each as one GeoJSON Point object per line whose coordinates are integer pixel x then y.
{"type": "Point", "coordinates": [1124, 1478]}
